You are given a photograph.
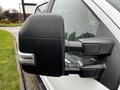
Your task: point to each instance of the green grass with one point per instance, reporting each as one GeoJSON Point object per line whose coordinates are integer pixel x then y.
{"type": "Point", "coordinates": [10, 24]}
{"type": "Point", "coordinates": [9, 79]}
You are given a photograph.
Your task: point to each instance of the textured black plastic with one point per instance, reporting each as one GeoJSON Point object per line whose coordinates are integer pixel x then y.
{"type": "Point", "coordinates": [43, 35]}
{"type": "Point", "coordinates": [111, 75]}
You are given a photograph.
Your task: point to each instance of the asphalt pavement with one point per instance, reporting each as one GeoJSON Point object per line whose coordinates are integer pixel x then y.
{"type": "Point", "coordinates": [13, 30]}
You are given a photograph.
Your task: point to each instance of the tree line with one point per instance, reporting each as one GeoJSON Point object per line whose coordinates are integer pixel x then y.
{"type": "Point", "coordinates": [10, 16]}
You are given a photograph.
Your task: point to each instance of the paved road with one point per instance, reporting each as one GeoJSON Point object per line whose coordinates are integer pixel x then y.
{"type": "Point", "coordinates": [13, 30]}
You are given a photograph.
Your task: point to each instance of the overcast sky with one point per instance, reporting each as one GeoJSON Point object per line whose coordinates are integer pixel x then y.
{"type": "Point", "coordinates": [7, 4]}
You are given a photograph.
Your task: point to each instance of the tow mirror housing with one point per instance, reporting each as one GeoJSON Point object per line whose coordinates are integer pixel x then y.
{"type": "Point", "coordinates": [42, 37]}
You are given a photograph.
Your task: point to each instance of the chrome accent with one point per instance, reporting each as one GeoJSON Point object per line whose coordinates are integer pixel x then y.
{"type": "Point", "coordinates": [26, 58]}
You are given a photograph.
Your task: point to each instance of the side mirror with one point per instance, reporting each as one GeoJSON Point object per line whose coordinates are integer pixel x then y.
{"type": "Point", "coordinates": [42, 36]}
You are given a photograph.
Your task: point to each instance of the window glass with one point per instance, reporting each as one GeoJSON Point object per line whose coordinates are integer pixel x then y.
{"type": "Point", "coordinates": [78, 19]}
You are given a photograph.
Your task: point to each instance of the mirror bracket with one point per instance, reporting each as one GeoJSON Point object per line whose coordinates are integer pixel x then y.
{"type": "Point", "coordinates": [91, 65]}
{"type": "Point", "coordinates": [85, 71]}
{"type": "Point", "coordinates": [91, 46]}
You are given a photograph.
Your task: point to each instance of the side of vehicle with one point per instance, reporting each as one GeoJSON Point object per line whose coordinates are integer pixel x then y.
{"type": "Point", "coordinates": [112, 16]}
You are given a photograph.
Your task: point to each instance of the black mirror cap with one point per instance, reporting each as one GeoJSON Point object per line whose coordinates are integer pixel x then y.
{"type": "Point", "coordinates": [43, 35]}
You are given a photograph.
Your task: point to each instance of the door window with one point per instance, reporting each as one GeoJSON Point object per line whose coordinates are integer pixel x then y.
{"type": "Point", "coordinates": [78, 19]}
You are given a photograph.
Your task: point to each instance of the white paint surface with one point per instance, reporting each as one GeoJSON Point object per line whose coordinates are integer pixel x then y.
{"type": "Point", "coordinates": [73, 82]}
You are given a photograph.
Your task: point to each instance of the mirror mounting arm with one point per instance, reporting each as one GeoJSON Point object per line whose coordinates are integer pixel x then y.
{"type": "Point", "coordinates": [89, 71]}
{"type": "Point", "coordinates": [91, 46]}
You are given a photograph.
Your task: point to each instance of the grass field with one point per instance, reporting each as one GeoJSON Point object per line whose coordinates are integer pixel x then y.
{"type": "Point", "coordinates": [9, 79]}
{"type": "Point", "coordinates": [10, 24]}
